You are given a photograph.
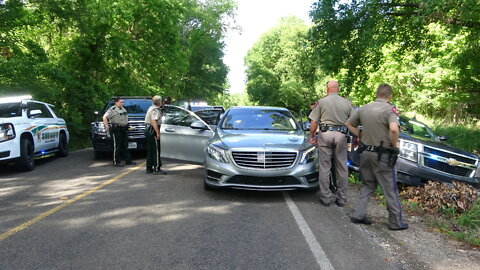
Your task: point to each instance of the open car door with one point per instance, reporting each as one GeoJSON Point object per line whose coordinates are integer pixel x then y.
{"type": "Point", "coordinates": [211, 116]}
{"type": "Point", "coordinates": [183, 135]}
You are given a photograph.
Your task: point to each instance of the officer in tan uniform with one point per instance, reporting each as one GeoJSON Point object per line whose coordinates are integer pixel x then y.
{"type": "Point", "coordinates": [116, 122]}
{"type": "Point", "coordinates": [379, 139]}
{"type": "Point", "coordinates": [153, 122]}
{"type": "Point", "coordinates": [331, 113]}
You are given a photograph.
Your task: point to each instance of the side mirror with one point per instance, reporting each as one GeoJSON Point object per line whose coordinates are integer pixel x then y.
{"type": "Point", "coordinates": [443, 138]}
{"type": "Point", "coordinates": [198, 125]}
{"type": "Point", "coordinates": [34, 113]}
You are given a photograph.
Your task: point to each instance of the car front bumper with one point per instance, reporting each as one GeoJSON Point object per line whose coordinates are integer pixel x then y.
{"type": "Point", "coordinates": [228, 175]}
{"type": "Point", "coordinates": [412, 173]}
{"type": "Point", "coordinates": [9, 149]}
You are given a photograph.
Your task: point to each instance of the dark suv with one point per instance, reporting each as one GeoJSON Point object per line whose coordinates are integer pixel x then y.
{"type": "Point", "coordinates": [424, 156]}
{"type": "Point", "coordinates": [137, 108]}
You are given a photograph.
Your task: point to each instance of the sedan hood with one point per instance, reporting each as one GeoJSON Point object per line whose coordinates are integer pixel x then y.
{"type": "Point", "coordinates": [292, 140]}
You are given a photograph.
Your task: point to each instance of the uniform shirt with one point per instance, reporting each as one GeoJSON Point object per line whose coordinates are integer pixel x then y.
{"type": "Point", "coordinates": [117, 116]}
{"type": "Point", "coordinates": [375, 118]}
{"type": "Point", "coordinates": [332, 110]}
{"type": "Point", "coordinates": [154, 113]}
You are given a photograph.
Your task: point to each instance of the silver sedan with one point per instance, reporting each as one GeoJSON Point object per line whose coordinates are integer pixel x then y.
{"type": "Point", "coordinates": [255, 148]}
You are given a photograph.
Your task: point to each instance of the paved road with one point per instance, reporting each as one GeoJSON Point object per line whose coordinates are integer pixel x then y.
{"type": "Point", "coordinates": [129, 220]}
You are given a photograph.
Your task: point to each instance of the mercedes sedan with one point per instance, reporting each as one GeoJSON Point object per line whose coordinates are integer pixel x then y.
{"type": "Point", "coordinates": [260, 148]}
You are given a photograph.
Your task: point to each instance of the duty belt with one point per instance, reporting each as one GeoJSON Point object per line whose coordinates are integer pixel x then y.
{"type": "Point", "coordinates": [370, 148]}
{"type": "Point", "coordinates": [324, 128]}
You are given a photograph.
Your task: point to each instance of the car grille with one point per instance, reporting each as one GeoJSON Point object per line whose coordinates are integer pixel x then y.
{"type": "Point", "coordinates": [136, 129]}
{"type": "Point", "coordinates": [445, 167]}
{"type": "Point", "coordinates": [264, 160]}
{"type": "Point", "coordinates": [263, 181]}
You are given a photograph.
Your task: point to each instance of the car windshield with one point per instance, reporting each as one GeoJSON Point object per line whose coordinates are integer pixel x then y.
{"type": "Point", "coordinates": [10, 110]}
{"type": "Point", "coordinates": [413, 127]}
{"type": "Point", "coordinates": [259, 119]}
{"type": "Point", "coordinates": [134, 105]}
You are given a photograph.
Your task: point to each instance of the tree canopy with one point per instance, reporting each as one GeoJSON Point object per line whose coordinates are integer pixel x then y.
{"type": "Point", "coordinates": [279, 67]}
{"type": "Point", "coordinates": [429, 51]}
{"type": "Point", "coordinates": [77, 54]}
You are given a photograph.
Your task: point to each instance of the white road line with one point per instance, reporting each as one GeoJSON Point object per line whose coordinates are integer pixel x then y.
{"type": "Point", "coordinates": [315, 247]}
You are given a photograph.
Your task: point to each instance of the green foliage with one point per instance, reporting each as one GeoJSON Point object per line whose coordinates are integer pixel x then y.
{"type": "Point", "coordinates": [228, 100]}
{"type": "Point", "coordinates": [78, 54]}
{"type": "Point", "coordinates": [428, 50]}
{"type": "Point", "coordinates": [461, 136]}
{"type": "Point", "coordinates": [279, 67]}
{"type": "Point", "coordinates": [463, 227]}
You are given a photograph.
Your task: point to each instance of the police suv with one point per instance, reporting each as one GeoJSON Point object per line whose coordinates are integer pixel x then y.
{"type": "Point", "coordinates": [30, 130]}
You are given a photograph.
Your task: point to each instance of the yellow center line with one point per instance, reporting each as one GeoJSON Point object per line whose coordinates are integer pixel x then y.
{"type": "Point", "coordinates": [29, 223]}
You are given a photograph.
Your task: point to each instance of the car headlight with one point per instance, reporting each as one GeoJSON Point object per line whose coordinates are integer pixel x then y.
{"type": "Point", "coordinates": [309, 155]}
{"type": "Point", "coordinates": [217, 153]}
{"type": "Point", "coordinates": [7, 132]}
{"type": "Point", "coordinates": [99, 128]}
{"type": "Point", "coordinates": [409, 150]}
{"type": "Point", "coordinates": [478, 170]}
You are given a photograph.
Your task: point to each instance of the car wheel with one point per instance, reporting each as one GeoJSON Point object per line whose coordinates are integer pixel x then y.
{"type": "Point", "coordinates": [62, 146]}
{"type": "Point", "coordinates": [26, 160]}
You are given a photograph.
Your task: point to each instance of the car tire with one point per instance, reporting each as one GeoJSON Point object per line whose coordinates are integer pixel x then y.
{"type": "Point", "coordinates": [26, 161]}
{"type": "Point", "coordinates": [62, 145]}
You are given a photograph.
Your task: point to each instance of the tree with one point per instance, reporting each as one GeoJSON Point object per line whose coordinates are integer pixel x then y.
{"type": "Point", "coordinates": [279, 69]}
{"type": "Point", "coordinates": [78, 54]}
{"type": "Point", "coordinates": [356, 39]}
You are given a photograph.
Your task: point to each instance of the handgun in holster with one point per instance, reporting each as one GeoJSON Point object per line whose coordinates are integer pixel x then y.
{"type": "Point", "coordinates": [392, 152]}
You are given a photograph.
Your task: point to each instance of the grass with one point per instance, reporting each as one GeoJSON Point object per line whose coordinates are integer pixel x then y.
{"type": "Point", "coordinates": [462, 136]}
{"type": "Point", "coordinates": [463, 227]}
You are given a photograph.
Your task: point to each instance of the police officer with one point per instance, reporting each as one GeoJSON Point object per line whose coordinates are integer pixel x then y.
{"type": "Point", "coordinates": [331, 113]}
{"type": "Point", "coordinates": [116, 122]}
{"type": "Point", "coordinates": [379, 138]}
{"type": "Point", "coordinates": [153, 122]}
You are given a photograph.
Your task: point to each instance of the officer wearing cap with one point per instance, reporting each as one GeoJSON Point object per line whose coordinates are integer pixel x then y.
{"type": "Point", "coordinates": [116, 122]}
{"type": "Point", "coordinates": [331, 113]}
{"type": "Point", "coordinates": [379, 139]}
{"type": "Point", "coordinates": [153, 122]}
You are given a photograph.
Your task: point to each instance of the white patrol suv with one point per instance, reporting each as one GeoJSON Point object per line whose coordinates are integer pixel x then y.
{"type": "Point", "coordinates": [29, 130]}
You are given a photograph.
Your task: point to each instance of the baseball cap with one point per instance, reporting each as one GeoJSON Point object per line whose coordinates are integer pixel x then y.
{"type": "Point", "coordinates": [156, 98]}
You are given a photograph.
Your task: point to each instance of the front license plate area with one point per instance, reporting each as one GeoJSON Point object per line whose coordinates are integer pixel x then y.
{"type": "Point", "coordinates": [132, 145]}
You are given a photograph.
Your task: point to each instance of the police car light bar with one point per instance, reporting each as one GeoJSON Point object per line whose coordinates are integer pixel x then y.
{"type": "Point", "coordinates": [14, 98]}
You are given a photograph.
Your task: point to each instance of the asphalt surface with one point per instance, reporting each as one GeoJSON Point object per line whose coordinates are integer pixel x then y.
{"type": "Point", "coordinates": [139, 221]}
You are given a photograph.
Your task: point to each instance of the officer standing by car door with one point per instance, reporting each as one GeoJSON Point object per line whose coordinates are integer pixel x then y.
{"type": "Point", "coordinates": [116, 122]}
{"type": "Point", "coordinates": [331, 113]}
{"type": "Point", "coordinates": [153, 122]}
{"type": "Point", "coordinates": [379, 139]}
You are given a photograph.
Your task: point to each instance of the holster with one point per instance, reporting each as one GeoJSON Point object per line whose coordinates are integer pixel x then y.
{"type": "Point", "coordinates": [323, 128]}
{"type": "Point", "coordinates": [392, 153]}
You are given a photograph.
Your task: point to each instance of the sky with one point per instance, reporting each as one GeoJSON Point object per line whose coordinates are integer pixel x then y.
{"type": "Point", "coordinates": [256, 17]}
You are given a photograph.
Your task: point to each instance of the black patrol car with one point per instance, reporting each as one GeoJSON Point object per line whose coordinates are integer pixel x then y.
{"type": "Point", "coordinates": [136, 107]}
{"type": "Point", "coordinates": [425, 156]}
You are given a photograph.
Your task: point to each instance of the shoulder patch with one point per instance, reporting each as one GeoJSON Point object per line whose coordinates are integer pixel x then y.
{"type": "Point", "coordinates": [394, 110]}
